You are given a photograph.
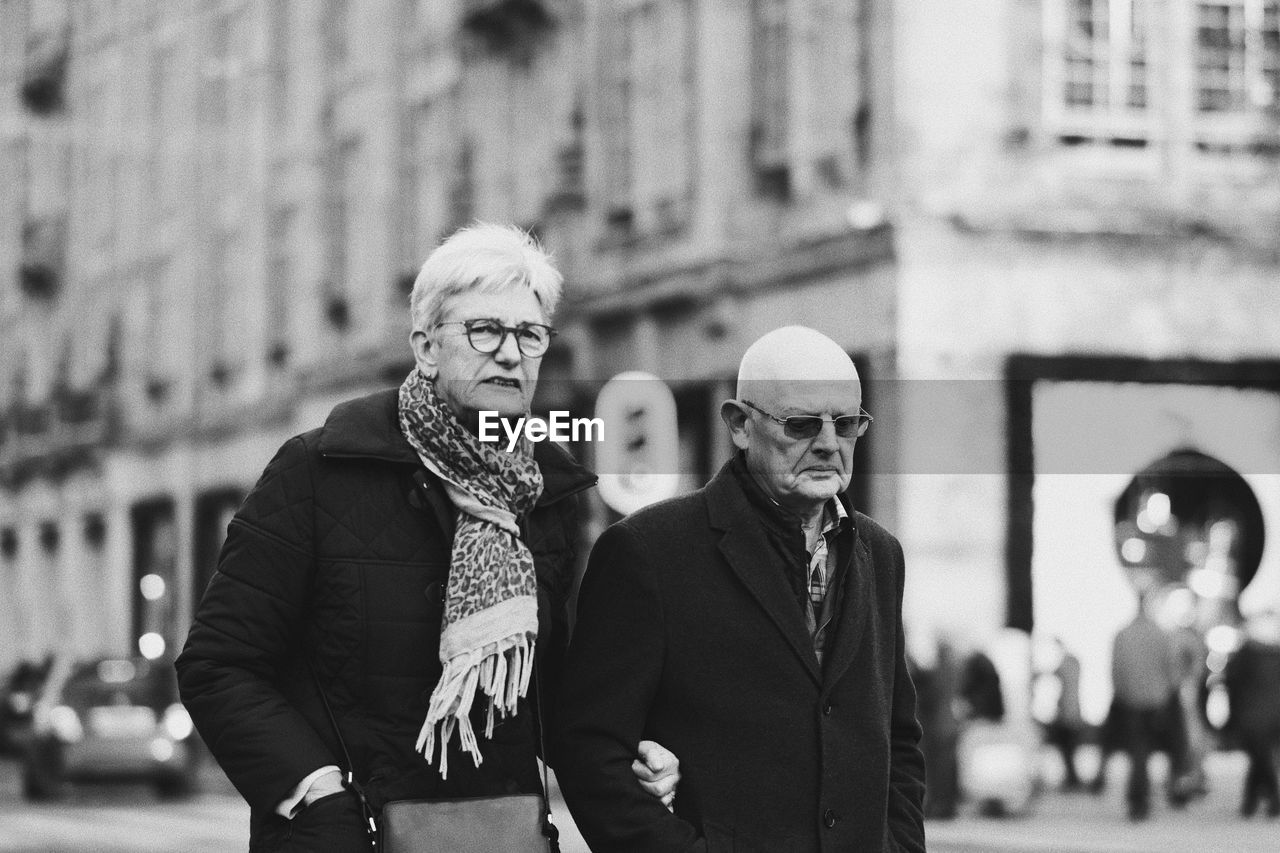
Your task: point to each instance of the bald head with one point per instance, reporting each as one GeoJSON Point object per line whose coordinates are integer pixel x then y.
{"type": "Point", "coordinates": [796, 372]}
{"type": "Point", "coordinates": [789, 354]}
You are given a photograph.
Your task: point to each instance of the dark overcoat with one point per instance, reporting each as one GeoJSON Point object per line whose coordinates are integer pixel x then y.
{"type": "Point", "coordinates": [689, 633]}
{"type": "Point", "coordinates": [337, 563]}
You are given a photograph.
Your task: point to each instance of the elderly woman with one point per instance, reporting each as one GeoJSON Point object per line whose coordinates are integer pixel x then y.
{"type": "Point", "coordinates": [392, 570]}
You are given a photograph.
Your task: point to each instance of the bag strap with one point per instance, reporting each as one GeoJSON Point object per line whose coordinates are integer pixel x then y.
{"type": "Point", "coordinates": [348, 773]}
{"type": "Point", "coordinates": [549, 830]}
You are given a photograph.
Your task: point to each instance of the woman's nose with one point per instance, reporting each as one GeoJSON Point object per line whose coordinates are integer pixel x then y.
{"type": "Point", "coordinates": [508, 351]}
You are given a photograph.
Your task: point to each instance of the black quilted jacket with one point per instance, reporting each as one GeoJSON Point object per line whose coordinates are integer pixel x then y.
{"type": "Point", "coordinates": [337, 563]}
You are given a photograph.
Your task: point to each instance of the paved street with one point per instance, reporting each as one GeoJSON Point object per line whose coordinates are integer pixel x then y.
{"type": "Point", "coordinates": [1080, 823]}
{"type": "Point", "coordinates": [115, 820]}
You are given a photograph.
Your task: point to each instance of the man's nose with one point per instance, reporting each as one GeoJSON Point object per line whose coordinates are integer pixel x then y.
{"type": "Point", "coordinates": [825, 441]}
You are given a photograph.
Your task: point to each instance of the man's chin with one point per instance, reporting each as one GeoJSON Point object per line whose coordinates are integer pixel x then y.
{"type": "Point", "coordinates": [821, 488]}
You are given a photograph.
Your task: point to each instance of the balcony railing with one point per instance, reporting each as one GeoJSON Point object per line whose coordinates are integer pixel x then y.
{"type": "Point", "coordinates": [54, 437]}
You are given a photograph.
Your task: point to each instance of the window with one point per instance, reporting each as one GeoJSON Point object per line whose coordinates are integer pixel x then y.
{"type": "Point", "coordinates": [1111, 67]}
{"type": "Point", "coordinates": [1237, 56]}
{"type": "Point", "coordinates": [647, 115]}
{"type": "Point", "coordinates": [462, 185]}
{"type": "Point", "coordinates": [50, 537]}
{"type": "Point", "coordinates": [810, 104]}
{"type": "Point", "coordinates": [8, 543]}
{"type": "Point", "coordinates": [338, 20]}
{"type": "Point", "coordinates": [770, 110]}
{"type": "Point", "coordinates": [1098, 79]}
{"type": "Point", "coordinates": [168, 330]}
{"type": "Point", "coordinates": [346, 186]}
{"type": "Point", "coordinates": [162, 150]}
{"type": "Point", "coordinates": [279, 284]}
{"type": "Point", "coordinates": [282, 30]}
{"type": "Point", "coordinates": [219, 320]}
{"type": "Point", "coordinates": [433, 154]}
{"type": "Point", "coordinates": [44, 247]}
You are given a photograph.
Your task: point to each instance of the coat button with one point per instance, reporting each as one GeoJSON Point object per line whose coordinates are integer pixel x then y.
{"type": "Point", "coordinates": [829, 818]}
{"type": "Point", "coordinates": [826, 710]}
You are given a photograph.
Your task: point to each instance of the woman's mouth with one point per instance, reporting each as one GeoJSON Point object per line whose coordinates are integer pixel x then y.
{"type": "Point", "coordinates": [503, 382]}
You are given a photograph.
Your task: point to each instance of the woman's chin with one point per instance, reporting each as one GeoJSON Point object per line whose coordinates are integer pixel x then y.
{"type": "Point", "coordinates": [507, 403]}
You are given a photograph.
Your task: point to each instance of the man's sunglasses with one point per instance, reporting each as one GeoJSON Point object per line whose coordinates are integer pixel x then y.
{"type": "Point", "coordinates": [488, 336]}
{"type": "Point", "coordinates": [808, 426]}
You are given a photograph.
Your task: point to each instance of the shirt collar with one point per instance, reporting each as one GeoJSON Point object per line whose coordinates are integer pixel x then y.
{"type": "Point", "coordinates": [834, 517]}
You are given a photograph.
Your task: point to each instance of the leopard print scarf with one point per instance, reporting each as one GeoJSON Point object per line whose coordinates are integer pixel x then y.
{"type": "Point", "coordinates": [490, 621]}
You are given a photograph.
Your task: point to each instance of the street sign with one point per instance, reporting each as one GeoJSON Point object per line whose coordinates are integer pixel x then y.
{"type": "Point", "coordinates": [638, 459]}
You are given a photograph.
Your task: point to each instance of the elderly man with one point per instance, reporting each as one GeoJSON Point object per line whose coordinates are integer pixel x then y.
{"type": "Point", "coordinates": [754, 628]}
{"type": "Point", "coordinates": [385, 561]}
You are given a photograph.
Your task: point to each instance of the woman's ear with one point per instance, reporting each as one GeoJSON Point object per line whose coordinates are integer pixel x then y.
{"type": "Point", "coordinates": [425, 353]}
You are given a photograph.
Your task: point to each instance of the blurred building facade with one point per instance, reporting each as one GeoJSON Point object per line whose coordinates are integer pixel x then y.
{"type": "Point", "coordinates": [213, 212]}
{"type": "Point", "coordinates": [1089, 254]}
{"type": "Point", "coordinates": [1048, 231]}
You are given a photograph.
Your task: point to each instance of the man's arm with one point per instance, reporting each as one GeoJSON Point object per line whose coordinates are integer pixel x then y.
{"type": "Point", "coordinates": [906, 767]}
{"type": "Point", "coordinates": [612, 674]}
{"type": "Point", "coordinates": [246, 628]}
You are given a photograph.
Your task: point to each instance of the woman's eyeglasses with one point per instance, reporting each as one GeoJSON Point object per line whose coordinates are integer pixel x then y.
{"type": "Point", "coordinates": [488, 336]}
{"type": "Point", "coordinates": [808, 426]}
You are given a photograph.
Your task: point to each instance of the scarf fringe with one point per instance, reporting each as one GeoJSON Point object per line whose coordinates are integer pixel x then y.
{"type": "Point", "coordinates": [501, 671]}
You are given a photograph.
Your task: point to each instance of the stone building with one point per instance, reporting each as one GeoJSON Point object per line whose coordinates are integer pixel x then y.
{"type": "Point", "coordinates": [1088, 259]}
{"type": "Point", "coordinates": [213, 211]}
{"type": "Point", "coordinates": [1048, 230]}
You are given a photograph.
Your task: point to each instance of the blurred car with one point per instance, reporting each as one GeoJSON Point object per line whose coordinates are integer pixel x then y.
{"type": "Point", "coordinates": [110, 719]}
{"type": "Point", "coordinates": [17, 703]}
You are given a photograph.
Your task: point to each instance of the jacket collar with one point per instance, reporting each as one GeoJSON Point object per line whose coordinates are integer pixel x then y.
{"type": "Point", "coordinates": [734, 507]}
{"type": "Point", "coordinates": [369, 428]}
{"type": "Point", "coordinates": [747, 548]}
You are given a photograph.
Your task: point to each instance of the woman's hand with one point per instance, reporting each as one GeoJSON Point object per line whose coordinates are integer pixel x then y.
{"type": "Point", "coordinates": [658, 771]}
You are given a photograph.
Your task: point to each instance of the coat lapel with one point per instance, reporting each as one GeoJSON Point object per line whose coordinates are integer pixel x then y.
{"type": "Point", "coordinates": [744, 544]}
{"type": "Point", "coordinates": [858, 585]}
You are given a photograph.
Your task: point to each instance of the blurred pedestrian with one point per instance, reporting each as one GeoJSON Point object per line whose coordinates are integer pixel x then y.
{"type": "Point", "coordinates": [1192, 654]}
{"type": "Point", "coordinates": [388, 567]}
{"type": "Point", "coordinates": [936, 673]}
{"type": "Point", "coordinates": [1064, 731]}
{"type": "Point", "coordinates": [1253, 689]}
{"type": "Point", "coordinates": [1144, 675]}
{"type": "Point", "coordinates": [980, 694]}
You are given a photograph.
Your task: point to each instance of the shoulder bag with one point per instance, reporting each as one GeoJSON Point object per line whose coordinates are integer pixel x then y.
{"type": "Point", "coordinates": [509, 823]}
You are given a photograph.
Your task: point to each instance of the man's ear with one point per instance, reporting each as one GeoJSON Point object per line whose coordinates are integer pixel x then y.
{"type": "Point", "coordinates": [425, 353]}
{"type": "Point", "coordinates": [735, 418]}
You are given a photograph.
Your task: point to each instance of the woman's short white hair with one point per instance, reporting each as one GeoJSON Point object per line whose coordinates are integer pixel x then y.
{"type": "Point", "coordinates": [483, 257]}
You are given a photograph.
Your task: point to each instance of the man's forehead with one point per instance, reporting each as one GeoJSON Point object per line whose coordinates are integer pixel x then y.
{"type": "Point", "coordinates": [805, 395]}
